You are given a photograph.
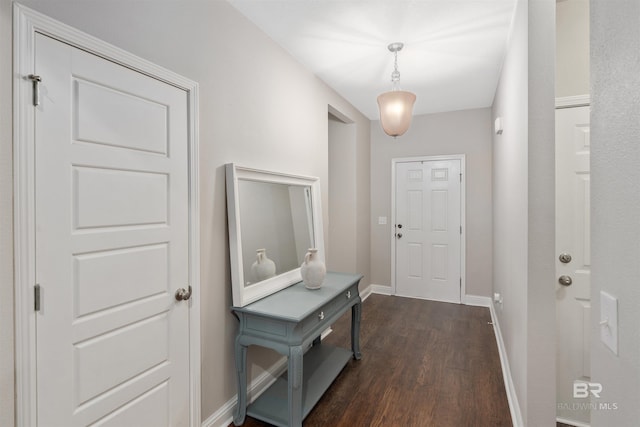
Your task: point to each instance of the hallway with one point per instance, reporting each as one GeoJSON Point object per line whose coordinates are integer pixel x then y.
{"type": "Point", "coordinates": [424, 363]}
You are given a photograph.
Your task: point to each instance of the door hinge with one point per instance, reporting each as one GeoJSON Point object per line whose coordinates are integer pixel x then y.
{"type": "Point", "coordinates": [460, 177]}
{"type": "Point", "coordinates": [36, 297]}
{"type": "Point", "coordinates": [36, 88]}
{"type": "Point", "coordinates": [461, 283]}
{"type": "Point", "coordinates": [460, 229]}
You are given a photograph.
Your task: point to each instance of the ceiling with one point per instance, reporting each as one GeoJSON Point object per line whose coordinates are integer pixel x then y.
{"type": "Point", "coordinates": [451, 60]}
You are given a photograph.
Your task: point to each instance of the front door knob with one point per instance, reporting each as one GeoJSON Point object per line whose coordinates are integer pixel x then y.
{"type": "Point", "coordinates": [183, 294]}
{"type": "Point", "coordinates": [565, 280]}
{"type": "Point", "coordinates": [399, 235]}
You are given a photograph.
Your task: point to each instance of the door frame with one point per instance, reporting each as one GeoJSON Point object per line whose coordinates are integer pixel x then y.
{"type": "Point", "coordinates": [26, 23]}
{"type": "Point", "coordinates": [463, 238]}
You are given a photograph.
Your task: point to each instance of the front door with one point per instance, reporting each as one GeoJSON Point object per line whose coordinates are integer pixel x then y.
{"type": "Point", "coordinates": [112, 213]}
{"type": "Point", "coordinates": [428, 229]}
{"type": "Point", "coordinates": [573, 261]}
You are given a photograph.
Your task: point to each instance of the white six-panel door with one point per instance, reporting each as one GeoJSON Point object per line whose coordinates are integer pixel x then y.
{"type": "Point", "coordinates": [573, 302]}
{"type": "Point", "coordinates": [112, 234]}
{"type": "Point", "coordinates": [428, 229]}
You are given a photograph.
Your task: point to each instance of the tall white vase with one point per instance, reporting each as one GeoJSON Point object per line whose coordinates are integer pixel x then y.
{"type": "Point", "coordinates": [312, 270]}
{"type": "Point", "coordinates": [263, 268]}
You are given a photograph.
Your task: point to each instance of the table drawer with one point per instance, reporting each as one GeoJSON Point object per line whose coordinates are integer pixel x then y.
{"type": "Point", "coordinates": [323, 314]}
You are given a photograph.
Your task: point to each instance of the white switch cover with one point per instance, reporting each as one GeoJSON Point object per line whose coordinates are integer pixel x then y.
{"type": "Point", "coordinates": [382, 220]}
{"type": "Point", "coordinates": [609, 321]}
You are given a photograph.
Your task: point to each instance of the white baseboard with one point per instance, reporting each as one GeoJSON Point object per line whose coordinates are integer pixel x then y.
{"type": "Point", "coordinates": [380, 289]}
{"type": "Point", "coordinates": [224, 416]}
{"type": "Point", "coordinates": [386, 290]}
{"type": "Point", "coordinates": [512, 397]}
{"type": "Point", "coordinates": [476, 300]}
{"type": "Point", "coordinates": [365, 293]}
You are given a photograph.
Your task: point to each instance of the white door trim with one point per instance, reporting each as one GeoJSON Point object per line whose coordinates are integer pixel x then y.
{"type": "Point", "coordinates": [26, 23]}
{"type": "Point", "coordinates": [463, 238]}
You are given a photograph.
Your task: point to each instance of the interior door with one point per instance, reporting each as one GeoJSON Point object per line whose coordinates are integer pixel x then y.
{"type": "Point", "coordinates": [428, 230]}
{"type": "Point", "coordinates": [111, 244]}
{"type": "Point", "coordinates": [573, 260]}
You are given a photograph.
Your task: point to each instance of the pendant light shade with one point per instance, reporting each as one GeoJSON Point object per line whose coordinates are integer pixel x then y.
{"type": "Point", "coordinates": [396, 106]}
{"type": "Point", "coordinates": [396, 109]}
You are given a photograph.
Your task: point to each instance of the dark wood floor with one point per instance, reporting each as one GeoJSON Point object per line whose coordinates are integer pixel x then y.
{"type": "Point", "coordinates": [423, 363]}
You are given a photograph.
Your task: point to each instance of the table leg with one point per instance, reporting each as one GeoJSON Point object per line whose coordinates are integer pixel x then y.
{"type": "Point", "coordinates": [356, 313]}
{"type": "Point", "coordinates": [294, 385]}
{"type": "Point", "coordinates": [241, 373]}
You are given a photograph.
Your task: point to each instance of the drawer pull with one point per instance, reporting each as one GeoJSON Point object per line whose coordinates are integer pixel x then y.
{"type": "Point", "coordinates": [348, 294]}
{"type": "Point", "coordinates": [321, 315]}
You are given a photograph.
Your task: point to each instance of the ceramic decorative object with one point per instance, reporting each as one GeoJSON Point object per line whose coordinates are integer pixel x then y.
{"type": "Point", "coordinates": [263, 268]}
{"type": "Point", "coordinates": [312, 270]}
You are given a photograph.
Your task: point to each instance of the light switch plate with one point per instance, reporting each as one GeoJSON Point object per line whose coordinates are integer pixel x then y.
{"type": "Point", "coordinates": [382, 220]}
{"type": "Point", "coordinates": [609, 321]}
{"type": "Point", "coordinates": [497, 126]}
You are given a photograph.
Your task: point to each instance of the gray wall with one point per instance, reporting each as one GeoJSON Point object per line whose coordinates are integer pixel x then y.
{"type": "Point", "coordinates": [258, 108]}
{"type": "Point", "coordinates": [572, 47]}
{"type": "Point", "coordinates": [524, 211]}
{"type": "Point", "coordinates": [510, 203]}
{"type": "Point", "coordinates": [459, 132]}
{"type": "Point", "coordinates": [615, 198]}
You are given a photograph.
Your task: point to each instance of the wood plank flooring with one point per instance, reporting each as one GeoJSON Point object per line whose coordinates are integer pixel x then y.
{"type": "Point", "coordinates": [423, 363]}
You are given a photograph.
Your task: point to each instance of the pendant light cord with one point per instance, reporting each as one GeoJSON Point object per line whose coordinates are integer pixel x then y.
{"type": "Point", "coordinates": [395, 76]}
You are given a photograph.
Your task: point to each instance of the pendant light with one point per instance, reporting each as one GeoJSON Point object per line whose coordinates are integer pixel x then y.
{"type": "Point", "coordinates": [396, 106]}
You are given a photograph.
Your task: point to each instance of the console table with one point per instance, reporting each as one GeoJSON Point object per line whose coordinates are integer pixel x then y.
{"type": "Point", "coordinates": [290, 322]}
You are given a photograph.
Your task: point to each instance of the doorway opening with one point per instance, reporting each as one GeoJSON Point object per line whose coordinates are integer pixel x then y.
{"type": "Point", "coordinates": [342, 228]}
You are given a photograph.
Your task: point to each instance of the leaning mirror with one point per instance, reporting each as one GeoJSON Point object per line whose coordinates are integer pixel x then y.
{"type": "Point", "coordinates": [274, 218]}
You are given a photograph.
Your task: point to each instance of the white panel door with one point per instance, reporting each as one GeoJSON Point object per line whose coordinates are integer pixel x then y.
{"type": "Point", "coordinates": [573, 302]}
{"type": "Point", "coordinates": [111, 244]}
{"type": "Point", "coordinates": [428, 228]}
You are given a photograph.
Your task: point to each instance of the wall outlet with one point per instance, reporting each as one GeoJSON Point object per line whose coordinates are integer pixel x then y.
{"type": "Point", "coordinates": [609, 321]}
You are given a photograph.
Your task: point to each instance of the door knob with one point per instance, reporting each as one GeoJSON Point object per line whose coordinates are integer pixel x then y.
{"type": "Point", "coordinates": [399, 225]}
{"type": "Point", "coordinates": [399, 235]}
{"type": "Point", "coordinates": [183, 294]}
{"type": "Point", "coordinates": [565, 280]}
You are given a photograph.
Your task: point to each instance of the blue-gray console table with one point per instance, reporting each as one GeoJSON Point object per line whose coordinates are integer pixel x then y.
{"type": "Point", "coordinates": [289, 322]}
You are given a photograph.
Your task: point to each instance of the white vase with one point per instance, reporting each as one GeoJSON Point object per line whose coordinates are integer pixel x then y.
{"type": "Point", "coordinates": [312, 270]}
{"type": "Point", "coordinates": [263, 268]}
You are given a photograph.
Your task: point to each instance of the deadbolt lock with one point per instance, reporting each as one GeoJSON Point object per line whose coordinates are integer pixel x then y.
{"type": "Point", "coordinates": [565, 258]}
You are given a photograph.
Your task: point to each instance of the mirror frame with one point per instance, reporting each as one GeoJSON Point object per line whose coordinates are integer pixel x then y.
{"type": "Point", "coordinates": [246, 295]}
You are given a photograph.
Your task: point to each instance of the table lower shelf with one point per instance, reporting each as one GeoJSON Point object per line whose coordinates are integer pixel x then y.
{"type": "Point", "coordinates": [321, 366]}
